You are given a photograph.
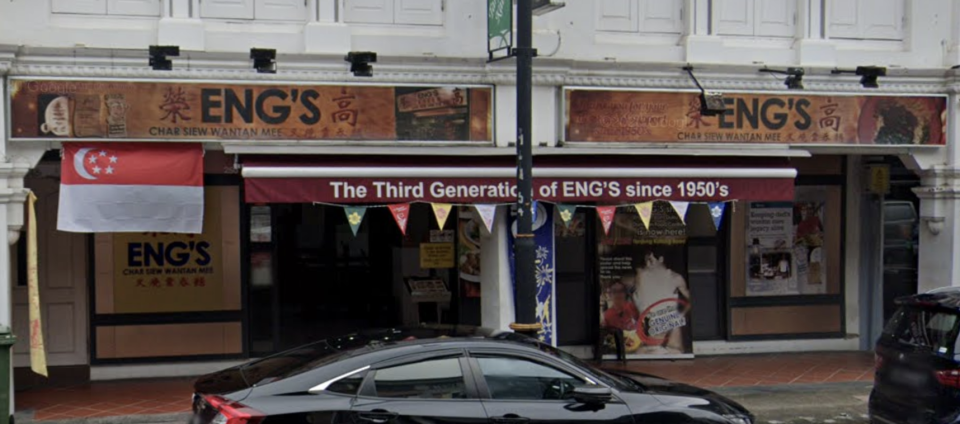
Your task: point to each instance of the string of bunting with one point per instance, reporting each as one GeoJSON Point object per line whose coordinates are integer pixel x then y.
{"type": "Point", "coordinates": [487, 212]}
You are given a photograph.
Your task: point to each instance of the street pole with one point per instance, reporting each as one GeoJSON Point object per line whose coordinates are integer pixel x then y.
{"type": "Point", "coordinates": [524, 269]}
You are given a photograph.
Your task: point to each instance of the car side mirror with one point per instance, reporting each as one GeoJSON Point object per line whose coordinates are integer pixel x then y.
{"type": "Point", "coordinates": [592, 395]}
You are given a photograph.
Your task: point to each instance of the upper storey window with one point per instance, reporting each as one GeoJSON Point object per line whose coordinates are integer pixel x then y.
{"type": "Point", "coordinates": [284, 10]}
{"type": "Point", "coordinates": [865, 19]}
{"type": "Point", "coordinates": [755, 18]}
{"type": "Point", "coordinates": [640, 16]}
{"type": "Point", "coordinates": [107, 7]}
{"type": "Point", "coordinates": [400, 12]}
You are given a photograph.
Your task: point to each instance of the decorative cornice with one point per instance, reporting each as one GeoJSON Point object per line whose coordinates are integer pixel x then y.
{"type": "Point", "coordinates": [437, 71]}
{"type": "Point", "coordinates": [937, 192]}
{"type": "Point", "coordinates": [15, 196]}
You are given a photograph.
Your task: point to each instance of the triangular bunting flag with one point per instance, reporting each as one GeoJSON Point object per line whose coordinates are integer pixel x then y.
{"type": "Point", "coordinates": [645, 210]}
{"type": "Point", "coordinates": [566, 213]}
{"type": "Point", "coordinates": [681, 208]}
{"type": "Point", "coordinates": [716, 211]}
{"type": "Point", "coordinates": [355, 216]}
{"type": "Point", "coordinates": [401, 212]}
{"type": "Point", "coordinates": [442, 212]}
{"type": "Point", "coordinates": [487, 214]}
{"type": "Point", "coordinates": [606, 217]}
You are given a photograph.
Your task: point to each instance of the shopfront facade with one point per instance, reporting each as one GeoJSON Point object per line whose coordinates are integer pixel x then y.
{"type": "Point", "coordinates": [753, 221]}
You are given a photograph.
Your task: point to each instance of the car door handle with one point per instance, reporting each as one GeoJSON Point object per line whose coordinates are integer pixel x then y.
{"type": "Point", "coordinates": [377, 416]}
{"type": "Point", "coordinates": [510, 419]}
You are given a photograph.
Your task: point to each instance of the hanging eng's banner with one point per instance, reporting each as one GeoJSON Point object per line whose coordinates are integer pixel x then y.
{"type": "Point", "coordinates": [543, 236]}
{"type": "Point", "coordinates": [674, 117]}
{"type": "Point", "coordinates": [643, 280]}
{"type": "Point", "coordinates": [167, 272]}
{"type": "Point", "coordinates": [181, 110]}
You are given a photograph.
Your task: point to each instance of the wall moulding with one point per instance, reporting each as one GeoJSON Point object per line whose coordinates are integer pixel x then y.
{"type": "Point", "coordinates": [327, 68]}
{"type": "Point", "coordinates": [414, 75]}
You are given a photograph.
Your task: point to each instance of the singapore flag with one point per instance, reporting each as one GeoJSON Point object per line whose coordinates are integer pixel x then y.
{"type": "Point", "coordinates": [131, 187]}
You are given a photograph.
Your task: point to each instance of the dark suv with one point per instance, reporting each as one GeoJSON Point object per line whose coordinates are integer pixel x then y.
{"type": "Point", "coordinates": [918, 361]}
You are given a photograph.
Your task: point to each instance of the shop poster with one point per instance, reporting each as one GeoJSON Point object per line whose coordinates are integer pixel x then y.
{"type": "Point", "coordinates": [643, 281]}
{"type": "Point", "coordinates": [785, 252]}
{"type": "Point", "coordinates": [468, 252]}
{"type": "Point", "coordinates": [543, 235]}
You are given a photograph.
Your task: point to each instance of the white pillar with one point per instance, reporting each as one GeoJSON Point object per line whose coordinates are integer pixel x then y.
{"type": "Point", "coordinates": [700, 44]}
{"type": "Point", "coordinates": [180, 25]}
{"type": "Point", "coordinates": [939, 194]}
{"type": "Point", "coordinates": [811, 47]}
{"type": "Point", "coordinates": [496, 283]}
{"type": "Point", "coordinates": [505, 113]}
{"type": "Point", "coordinates": [325, 31]}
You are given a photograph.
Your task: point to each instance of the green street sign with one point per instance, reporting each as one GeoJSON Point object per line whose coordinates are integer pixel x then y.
{"type": "Point", "coordinates": [499, 27]}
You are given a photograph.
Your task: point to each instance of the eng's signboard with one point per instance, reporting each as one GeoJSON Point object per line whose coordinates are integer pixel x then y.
{"type": "Point", "coordinates": [201, 111]}
{"type": "Point", "coordinates": [672, 117]}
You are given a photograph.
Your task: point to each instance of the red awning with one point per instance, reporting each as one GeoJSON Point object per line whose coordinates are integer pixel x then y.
{"type": "Point", "coordinates": [611, 179]}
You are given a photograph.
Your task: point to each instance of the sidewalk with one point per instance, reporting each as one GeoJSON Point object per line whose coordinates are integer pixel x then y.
{"type": "Point", "coordinates": [165, 400]}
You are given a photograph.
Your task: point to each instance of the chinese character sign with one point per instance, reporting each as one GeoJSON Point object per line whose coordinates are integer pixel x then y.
{"type": "Point", "coordinates": [167, 272]}
{"type": "Point", "coordinates": [132, 110]}
{"type": "Point", "coordinates": [659, 117]}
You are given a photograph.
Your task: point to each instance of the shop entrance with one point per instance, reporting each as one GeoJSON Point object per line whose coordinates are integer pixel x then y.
{"type": "Point", "coordinates": [62, 276]}
{"type": "Point", "coordinates": [311, 278]}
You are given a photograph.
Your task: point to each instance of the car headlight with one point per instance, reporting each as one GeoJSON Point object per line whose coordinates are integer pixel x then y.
{"type": "Point", "coordinates": [738, 419]}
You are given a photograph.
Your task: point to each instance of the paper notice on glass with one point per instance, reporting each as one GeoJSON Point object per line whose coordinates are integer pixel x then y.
{"type": "Point", "coordinates": [771, 261]}
{"type": "Point", "coordinates": [260, 230]}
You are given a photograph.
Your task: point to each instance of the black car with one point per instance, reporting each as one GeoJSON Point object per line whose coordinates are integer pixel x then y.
{"type": "Point", "coordinates": [445, 375]}
{"type": "Point", "coordinates": [917, 376]}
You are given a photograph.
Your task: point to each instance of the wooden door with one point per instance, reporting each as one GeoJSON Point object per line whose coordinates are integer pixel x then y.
{"type": "Point", "coordinates": [62, 261]}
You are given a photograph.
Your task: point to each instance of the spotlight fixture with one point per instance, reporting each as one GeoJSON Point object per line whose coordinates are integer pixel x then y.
{"type": "Point", "coordinates": [868, 74]}
{"type": "Point", "coordinates": [264, 60]}
{"type": "Point", "coordinates": [158, 57]}
{"type": "Point", "coordinates": [711, 103]}
{"type": "Point", "coordinates": [794, 80]}
{"type": "Point", "coordinates": [360, 63]}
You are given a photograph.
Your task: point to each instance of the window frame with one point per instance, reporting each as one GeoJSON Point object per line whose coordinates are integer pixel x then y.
{"type": "Point", "coordinates": [484, 390]}
{"type": "Point", "coordinates": [368, 386]}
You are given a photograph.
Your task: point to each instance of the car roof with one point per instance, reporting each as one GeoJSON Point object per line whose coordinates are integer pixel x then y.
{"type": "Point", "coordinates": [944, 297]}
{"type": "Point", "coordinates": [377, 340]}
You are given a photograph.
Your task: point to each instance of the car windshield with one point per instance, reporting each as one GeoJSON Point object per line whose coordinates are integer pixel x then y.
{"type": "Point", "coordinates": [926, 329]}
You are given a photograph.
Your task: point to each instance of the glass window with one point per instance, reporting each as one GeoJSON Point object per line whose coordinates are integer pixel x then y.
{"type": "Point", "coordinates": [931, 330]}
{"type": "Point", "coordinates": [348, 385]}
{"type": "Point", "coordinates": [520, 379]}
{"type": "Point", "coordinates": [432, 379]}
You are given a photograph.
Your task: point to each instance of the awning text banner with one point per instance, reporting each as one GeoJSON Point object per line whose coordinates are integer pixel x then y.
{"type": "Point", "coordinates": [503, 190]}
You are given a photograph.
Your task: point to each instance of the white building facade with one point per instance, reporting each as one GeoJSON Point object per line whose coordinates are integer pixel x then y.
{"type": "Point", "coordinates": [604, 66]}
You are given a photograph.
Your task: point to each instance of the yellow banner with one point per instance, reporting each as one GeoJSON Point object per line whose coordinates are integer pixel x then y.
{"type": "Point", "coordinates": [164, 272]}
{"type": "Point", "coordinates": [645, 210]}
{"type": "Point", "coordinates": [38, 355]}
{"type": "Point", "coordinates": [442, 212]}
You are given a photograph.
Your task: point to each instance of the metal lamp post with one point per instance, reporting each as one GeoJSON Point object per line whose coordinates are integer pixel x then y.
{"type": "Point", "coordinates": [524, 246]}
